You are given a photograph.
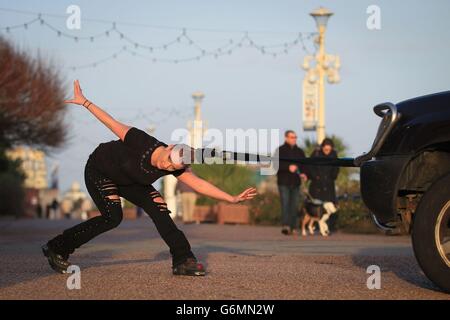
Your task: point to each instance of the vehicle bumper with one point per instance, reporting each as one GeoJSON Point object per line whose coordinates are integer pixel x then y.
{"type": "Point", "coordinates": [379, 186]}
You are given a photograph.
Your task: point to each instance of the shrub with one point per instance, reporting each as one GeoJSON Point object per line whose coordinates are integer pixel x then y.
{"type": "Point", "coordinates": [231, 178]}
{"type": "Point", "coordinates": [265, 209]}
{"type": "Point", "coordinates": [354, 217]}
{"type": "Point", "coordinates": [11, 185]}
{"type": "Point", "coordinates": [12, 195]}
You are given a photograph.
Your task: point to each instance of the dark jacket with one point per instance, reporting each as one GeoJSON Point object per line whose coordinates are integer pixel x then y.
{"type": "Point", "coordinates": [284, 176]}
{"type": "Point", "coordinates": [322, 178]}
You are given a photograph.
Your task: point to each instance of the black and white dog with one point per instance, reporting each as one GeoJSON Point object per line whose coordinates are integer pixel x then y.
{"type": "Point", "coordinates": [315, 210]}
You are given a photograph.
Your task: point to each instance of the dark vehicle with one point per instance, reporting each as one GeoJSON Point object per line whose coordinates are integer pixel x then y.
{"type": "Point", "coordinates": [405, 178]}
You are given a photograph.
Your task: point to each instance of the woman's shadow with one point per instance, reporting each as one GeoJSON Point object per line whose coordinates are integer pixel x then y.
{"type": "Point", "coordinates": [96, 258]}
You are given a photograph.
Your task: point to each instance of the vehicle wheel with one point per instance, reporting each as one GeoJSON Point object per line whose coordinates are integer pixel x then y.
{"type": "Point", "coordinates": [431, 233]}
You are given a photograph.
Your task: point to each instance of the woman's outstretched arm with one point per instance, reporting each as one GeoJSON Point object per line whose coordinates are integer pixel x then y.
{"type": "Point", "coordinates": [210, 190]}
{"type": "Point", "coordinates": [115, 126]}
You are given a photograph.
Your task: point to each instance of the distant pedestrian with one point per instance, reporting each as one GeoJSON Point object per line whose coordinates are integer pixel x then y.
{"type": "Point", "coordinates": [39, 210]}
{"type": "Point", "coordinates": [323, 178]}
{"type": "Point", "coordinates": [66, 208]}
{"type": "Point", "coordinates": [85, 207]}
{"type": "Point", "coordinates": [289, 177]}
{"type": "Point", "coordinates": [54, 206]}
{"type": "Point", "coordinates": [139, 211]}
{"type": "Point", "coordinates": [48, 208]}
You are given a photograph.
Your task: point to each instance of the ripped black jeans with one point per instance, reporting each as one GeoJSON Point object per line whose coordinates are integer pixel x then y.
{"type": "Point", "coordinates": [105, 194]}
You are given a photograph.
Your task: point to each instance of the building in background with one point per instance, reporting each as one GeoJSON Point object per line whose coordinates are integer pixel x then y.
{"type": "Point", "coordinates": [37, 194]}
{"type": "Point", "coordinates": [33, 165]}
{"type": "Point", "coordinates": [43, 199]}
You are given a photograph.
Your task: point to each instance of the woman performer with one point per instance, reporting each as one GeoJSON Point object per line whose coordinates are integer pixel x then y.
{"type": "Point", "coordinates": [126, 168]}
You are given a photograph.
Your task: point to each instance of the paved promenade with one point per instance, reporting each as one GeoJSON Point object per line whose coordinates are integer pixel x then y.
{"type": "Point", "coordinates": [243, 262]}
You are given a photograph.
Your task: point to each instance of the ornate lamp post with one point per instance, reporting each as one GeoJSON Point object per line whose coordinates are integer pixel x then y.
{"type": "Point", "coordinates": [324, 65]}
{"type": "Point", "coordinates": [196, 127]}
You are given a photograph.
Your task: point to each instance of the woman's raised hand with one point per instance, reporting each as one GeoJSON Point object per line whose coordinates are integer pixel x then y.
{"type": "Point", "coordinates": [247, 194]}
{"type": "Point", "coordinates": [78, 94]}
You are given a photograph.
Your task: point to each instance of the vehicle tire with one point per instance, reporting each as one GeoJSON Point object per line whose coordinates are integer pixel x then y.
{"type": "Point", "coordinates": [431, 233]}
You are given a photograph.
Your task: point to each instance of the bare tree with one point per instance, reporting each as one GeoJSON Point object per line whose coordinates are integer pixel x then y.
{"type": "Point", "coordinates": [31, 100]}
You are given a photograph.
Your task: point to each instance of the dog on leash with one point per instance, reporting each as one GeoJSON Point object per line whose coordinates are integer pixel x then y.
{"type": "Point", "coordinates": [312, 212]}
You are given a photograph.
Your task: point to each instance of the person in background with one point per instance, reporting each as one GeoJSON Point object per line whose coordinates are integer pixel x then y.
{"type": "Point", "coordinates": [323, 178]}
{"type": "Point", "coordinates": [54, 206]}
{"type": "Point", "coordinates": [188, 199]}
{"type": "Point", "coordinates": [39, 209]}
{"type": "Point", "coordinates": [85, 207]}
{"type": "Point", "coordinates": [139, 211]}
{"type": "Point", "coordinates": [47, 211]}
{"type": "Point", "coordinates": [66, 208]}
{"type": "Point", "coordinates": [289, 178]}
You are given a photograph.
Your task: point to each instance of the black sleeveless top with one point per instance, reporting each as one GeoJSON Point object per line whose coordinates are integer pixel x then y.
{"type": "Point", "coordinates": [128, 162]}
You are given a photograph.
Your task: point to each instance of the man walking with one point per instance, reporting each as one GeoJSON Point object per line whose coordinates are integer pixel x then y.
{"type": "Point", "coordinates": [289, 177]}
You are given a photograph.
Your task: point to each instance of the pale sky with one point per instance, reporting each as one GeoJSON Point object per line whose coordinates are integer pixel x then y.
{"type": "Point", "coordinates": [408, 57]}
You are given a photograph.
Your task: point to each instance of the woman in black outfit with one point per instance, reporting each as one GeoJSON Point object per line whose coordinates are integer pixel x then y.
{"type": "Point", "coordinates": [126, 168]}
{"type": "Point", "coordinates": [323, 177]}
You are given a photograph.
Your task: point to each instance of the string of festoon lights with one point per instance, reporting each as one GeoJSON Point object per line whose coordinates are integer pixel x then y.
{"type": "Point", "coordinates": [159, 115]}
{"type": "Point", "coordinates": [147, 51]}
